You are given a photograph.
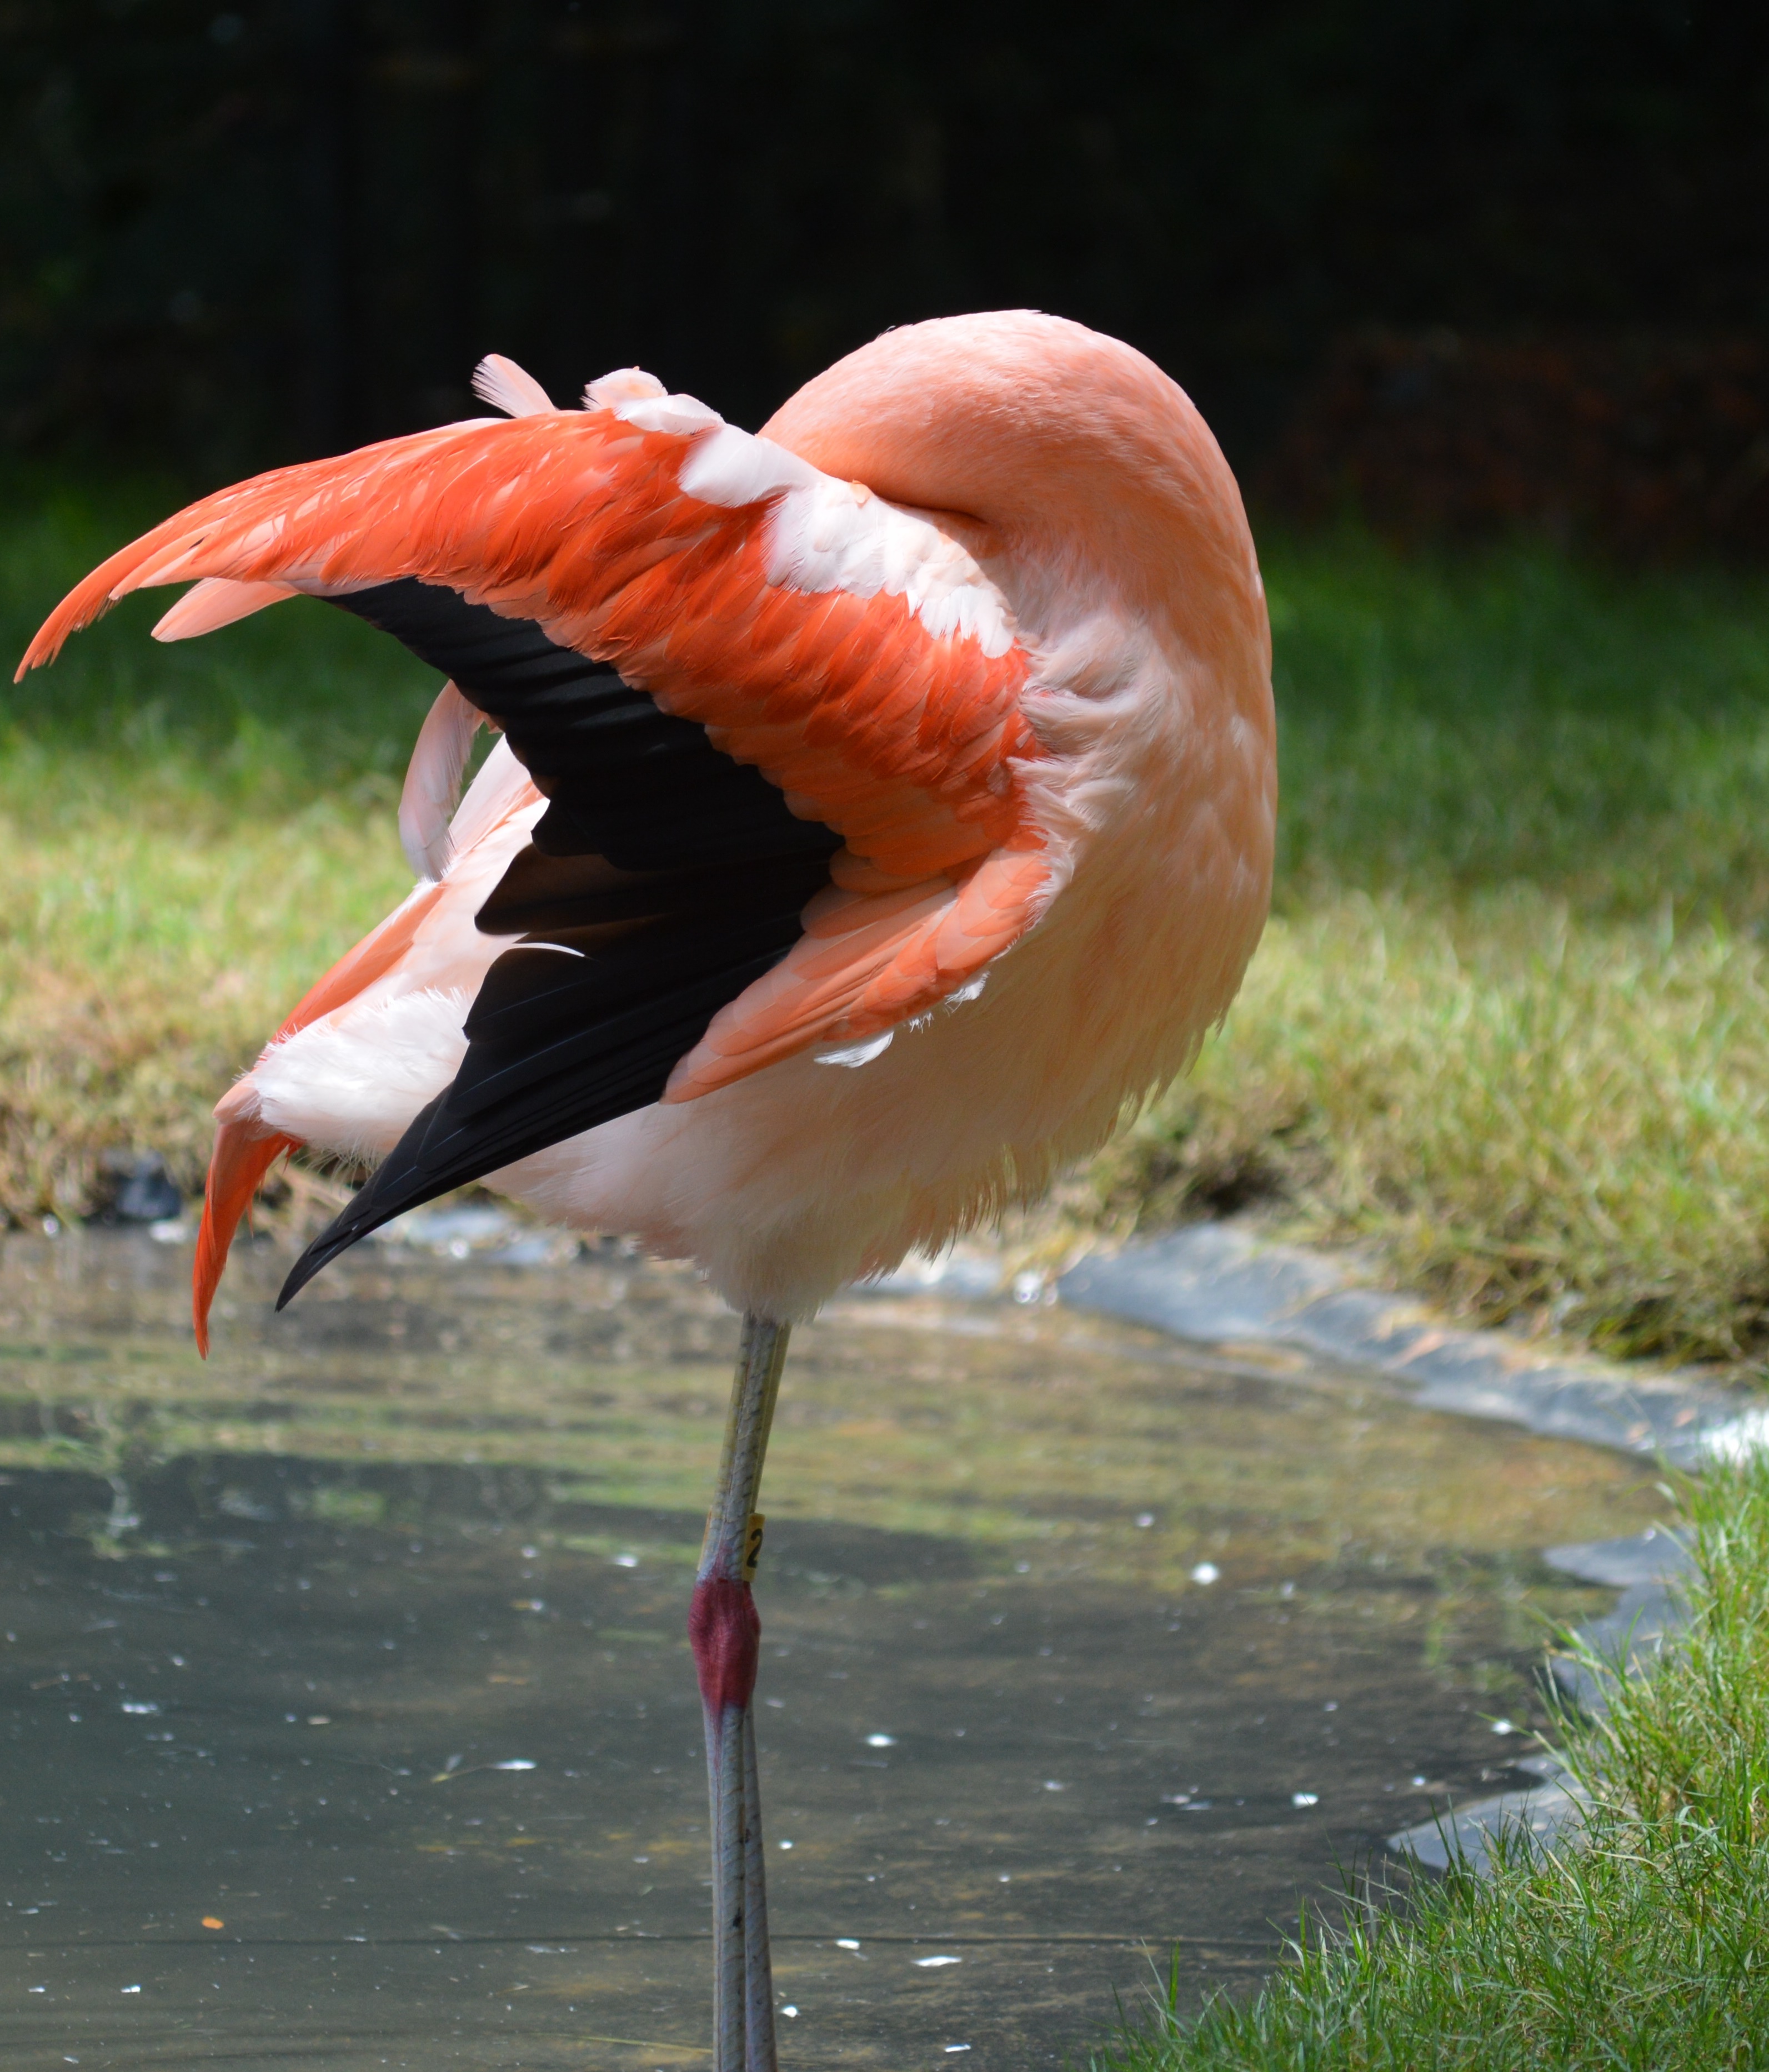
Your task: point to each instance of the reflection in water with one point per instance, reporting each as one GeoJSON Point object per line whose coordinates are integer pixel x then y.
{"type": "Point", "coordinates": [350, 1720]}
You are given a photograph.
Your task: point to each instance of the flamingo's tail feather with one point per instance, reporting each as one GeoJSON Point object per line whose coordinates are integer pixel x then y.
{"type": "Point", "coordinates": [244, 1153]}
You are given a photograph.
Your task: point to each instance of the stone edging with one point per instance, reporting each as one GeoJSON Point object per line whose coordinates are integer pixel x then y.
{"type": "Point", "coordinates": [1218, 1282]}
{"type": "Point", "coordinates": [1647, 1568]}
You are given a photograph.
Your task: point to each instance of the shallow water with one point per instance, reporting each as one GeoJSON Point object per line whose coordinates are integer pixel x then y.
{"type": "Point", "coordinates": [348, 1718]}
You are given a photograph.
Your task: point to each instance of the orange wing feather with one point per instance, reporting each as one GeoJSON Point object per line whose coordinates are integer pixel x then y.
{"type": "Point", "coordinates": [903, 740]}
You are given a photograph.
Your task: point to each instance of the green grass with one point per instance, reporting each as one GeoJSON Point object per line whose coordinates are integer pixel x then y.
{"type": "Point", "coordinates": [1453, 725]}
{"type": "Point", "coordinates": [1644, 1948]}
{"type": "Point", "coordinates": [1505, 1030]}
{"type": "Point", "coordinates": [188, 835]}
{"type": "Point", "coordinates": [1507, 1027]}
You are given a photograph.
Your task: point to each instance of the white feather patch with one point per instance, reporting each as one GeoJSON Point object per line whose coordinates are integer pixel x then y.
{"type": "Point", "coordinates": [508, 387]}
{"type": "Point", "coordinates": [433, 781]}
{"type": "Point", "coordinates": [641, 400]}
{"type": "Point", "coordinates": [626, 384]}
{"type": "Point", "coordinates": [858, 1054]}
{"type": "Point", "coordinates": [681, 414]}
{"type": "Point", "coordinates": [830, 535]}
{"type": "Point", "coordinates": [352, 1081]}
{"type": "Point", "coordinates": [825, 534]}
{"type": "Point", "coordinates": [732, 468]}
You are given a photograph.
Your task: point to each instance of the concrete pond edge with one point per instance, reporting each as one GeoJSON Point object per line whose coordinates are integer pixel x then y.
{"type": "Point", "coordinates": [1222, 1284]}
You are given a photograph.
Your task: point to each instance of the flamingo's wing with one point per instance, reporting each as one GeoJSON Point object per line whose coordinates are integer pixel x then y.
{"type": "Point", "coordinates": [662, 881]}
{"type": "Point", "coordinates": [746, 690]}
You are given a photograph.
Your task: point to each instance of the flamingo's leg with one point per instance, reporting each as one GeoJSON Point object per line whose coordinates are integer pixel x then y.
{"type": "Point", "coordinates": [725, 1631]}
{"type": "Point", "coordinates": [758, 1960]}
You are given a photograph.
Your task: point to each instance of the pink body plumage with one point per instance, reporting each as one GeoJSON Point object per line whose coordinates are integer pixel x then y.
{"type": "Point", "coordinates": [981, 600]}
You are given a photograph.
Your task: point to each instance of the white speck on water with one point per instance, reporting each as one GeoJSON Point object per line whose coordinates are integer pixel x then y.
{"type": "Point", "coordinates": [1051, 1785]}
{"type": "Point", "coordinates": [142, 1707]}
{"type": "Point", "coordinates": [881, 1740]}
{"type": "Point", "coordinates": [933, 1964]}
{"type": "Point", "coordinates": [626, 1561]}
{"type": "Point", "coordinates": [1503, 1727]}
{"type": "Point", "coordinates": [1305, 1799]}
{"type": "Point", "coordinates": [1145, 1519]}
{"type": "Point", "coordinates": [952, 2049]}
{"type": "Point", "coordinates": [1206, 1572]}
{"type": "Point", "coordinates": [132, 1989]}
{"type": "Point", "coordinates": [1005, 1878]}
{"type": "Point", "coordinates": [786, 1845]}
{"type": "Point", "coordinates": [845, 1942]}
{"type": "Point", "coordinates": [529, 1553]}
{"type": "Point", "coordinates": [1331, 1705]}
{"type": "Point", "coordinates": [791, 2013]}
{"type": "Point", "coordinates": [516, 1762]}
{"type": "Point", "coordinates": [1022, 1567]}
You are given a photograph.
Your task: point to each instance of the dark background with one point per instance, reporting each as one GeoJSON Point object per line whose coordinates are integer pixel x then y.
{"type": "Point", "coordinates": [1404, 252]}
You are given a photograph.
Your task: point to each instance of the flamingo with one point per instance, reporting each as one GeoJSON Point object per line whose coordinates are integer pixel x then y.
{"type": "Point", "coordinates": [884, 806]}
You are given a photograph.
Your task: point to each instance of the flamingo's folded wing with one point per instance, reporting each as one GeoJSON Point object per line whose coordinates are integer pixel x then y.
{"type": "Point", "coordinates": [724, 671]}
{"type": "Point", "coordinates": [851, 651]}
{"type": "Point", "coordinates": [663, 880]}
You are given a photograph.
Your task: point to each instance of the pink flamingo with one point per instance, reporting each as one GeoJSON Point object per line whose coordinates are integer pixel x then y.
{"type": "Point", "coordinates": [885, 801]}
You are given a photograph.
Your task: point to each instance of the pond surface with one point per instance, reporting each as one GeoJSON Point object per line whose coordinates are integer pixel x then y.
{"type": "Point", "coordinates": [346, 1717]}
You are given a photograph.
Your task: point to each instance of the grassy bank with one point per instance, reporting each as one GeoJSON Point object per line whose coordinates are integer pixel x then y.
{"type": "Point", "coordinates": [1642, 1949]}
{"type": "Point", "coordinates": [1506, 1028]}
{"type": "Point", "coordinates": [188, 835]}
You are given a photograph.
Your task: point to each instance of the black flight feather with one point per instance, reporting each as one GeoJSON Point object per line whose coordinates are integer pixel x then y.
{"type": "Point", "coordinates": [662, 880]}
